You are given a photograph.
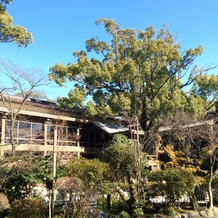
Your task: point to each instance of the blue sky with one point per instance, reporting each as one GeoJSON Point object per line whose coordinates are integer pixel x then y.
{"type": "Point", "coordinates": [61, 27]}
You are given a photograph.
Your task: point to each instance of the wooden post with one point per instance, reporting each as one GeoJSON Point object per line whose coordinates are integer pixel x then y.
{"type": "Point", "coordinates": [51, 212]}
{"type": "Point", "coordinates": [2, 138]}
{"type": "Point", "coordinates": [55, 154]}
{"type": "Point", "coordinates": [78, 142]}
{"type": "Point", "coordinates": [45, 139]}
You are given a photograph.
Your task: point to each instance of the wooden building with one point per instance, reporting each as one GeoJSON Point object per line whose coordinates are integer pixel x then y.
{"type": "Point", "coordinates": [35, 124]}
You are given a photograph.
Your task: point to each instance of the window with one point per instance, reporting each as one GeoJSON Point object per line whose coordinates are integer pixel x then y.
{"type": "Point", "coordinates": [24, 132]}
{"type": "Point", "coordinates": [65, 135]}
{"type": "Point", "coordinates": [33, 133]}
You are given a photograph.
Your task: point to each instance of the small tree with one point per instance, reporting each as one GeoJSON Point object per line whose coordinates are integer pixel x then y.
{"type": "Point", "coordinates": [120, 156]}
{"type": "Point", "coordinates": [211, 160]}
{"type": "Point", "coordinates": [192, 145]}
{"type": "Point", "coordinates": [24, 82]}
{"type": "Point", "coordinates": [125, 169]}
{"type": "Point", "coordinates": [172, 183]}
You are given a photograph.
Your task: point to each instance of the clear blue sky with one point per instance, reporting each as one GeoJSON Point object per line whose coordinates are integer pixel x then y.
{"type": "Point", "coordinates": [61, 27]}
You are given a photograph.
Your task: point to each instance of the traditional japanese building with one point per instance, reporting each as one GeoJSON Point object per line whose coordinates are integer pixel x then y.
{"type": "Point", "coordinates": [36, 122]}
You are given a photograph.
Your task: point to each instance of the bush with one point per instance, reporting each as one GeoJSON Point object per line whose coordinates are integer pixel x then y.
{"type": "Point", "coordinates": [124, 214]}
{"type": "Point", "coordinates": [138, 209]}
{"type": "Point", "coordinates": [172, 183]}
{"type": "Point", "coordinates": [172, 211]}
{"type": "Point", "coordinates": [28, 207]}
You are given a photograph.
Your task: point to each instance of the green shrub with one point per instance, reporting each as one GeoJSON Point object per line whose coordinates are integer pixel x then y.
{"type": "Point", "coordinates": [28, 207]}
{"type": "Point", "coordinates": [172, 211]}
{"type": "Point", "coordinates": [124, 214]}
{"type": "Point", "coordinates": [173, 183]}
{"type": "Point", "coordinates": [138, 209]}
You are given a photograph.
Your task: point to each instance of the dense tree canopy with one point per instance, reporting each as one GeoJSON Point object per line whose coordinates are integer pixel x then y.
{"type": "Point", "coordinates": [9, 33]}
{"type": "Point", "coordinates": [143, 74]}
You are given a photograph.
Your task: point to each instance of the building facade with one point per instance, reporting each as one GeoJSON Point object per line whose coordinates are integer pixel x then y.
{"type": "Point", "coordinates": [41, 124]}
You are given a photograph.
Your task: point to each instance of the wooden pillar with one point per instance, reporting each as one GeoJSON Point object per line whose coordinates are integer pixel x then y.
{"type": "Point", "coordinates": [2, 138]}
{"type": "Point", "coordinates": [78, 141]}
{"type": "Point", "coordinates": [53, 198]}
{"type": "Point", "coordinates": [45, 139]}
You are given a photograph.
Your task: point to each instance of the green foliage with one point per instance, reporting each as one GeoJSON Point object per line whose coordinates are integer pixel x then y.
{"type": "Point", "coordinates": [32, 208]}
{"type": "Point", "coordinates": [124, 214]}
{"type": "Point", "coordinates": [76, 97]}
{"type": "Point", "coordinates": [138, 74]}
{"type": "Point", "coordinates": [215, 183]}
{"type": "Point", "coordinates": [173, 183]}
{"type": "Point", "coordinates": [19, 175]}
{"type": "Point", "coordinates": [117, 204]}
{"type": "Point", "coordinates": [61, 171]}
{"type": "Point", "coordinates": [172, 211]}
{"type": "Point", "coordinates": [192, 145]}
{"type": "Point", "coordinates": [91, 172]}
{"type": "Point", "coordinates": [120, 139]}
{"type": "Point", "coordinates": [206, 86]}
{"type": "Point", "coordinates": [18, 183]}
{"type": "Point", "coordinates": [120, 156]}
{"type": "Point", "coordinates": [9, 33]}
{"type": "Point", "coordinates": [138, 209]}
{"type": "Point", "coordinates": [3, 176]}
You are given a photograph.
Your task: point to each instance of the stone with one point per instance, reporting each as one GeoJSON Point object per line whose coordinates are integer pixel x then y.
{"type": "Point", "coordinates": [210, 212]}
{"type": "Point", "coordinates": [185, 215]}
{"type": "Point", "coordinates": [194, 214]}
{"type": "Point", "coordinates": [203, 213]}
{"type": "Point", "coordinates": [215, 210]}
